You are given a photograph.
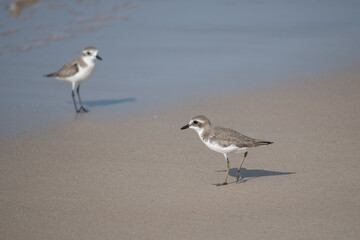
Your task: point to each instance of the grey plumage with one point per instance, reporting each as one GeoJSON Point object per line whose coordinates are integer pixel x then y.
{"type": "Point", "coordinates": [67, 70]}
{"type": "Point", "coordinates": [225, 137]}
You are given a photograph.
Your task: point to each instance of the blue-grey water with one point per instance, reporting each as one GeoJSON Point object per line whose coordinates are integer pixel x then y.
{"type": "Point", "coordinates": [158, 53]}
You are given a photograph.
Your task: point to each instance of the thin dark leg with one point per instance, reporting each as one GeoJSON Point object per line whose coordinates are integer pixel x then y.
{"type": "Point", "coordinates": [238, 177]}
{"type": "Point", "coordinates": [73, 97]}
{"type": "Point", "coordinates": [81, 106]}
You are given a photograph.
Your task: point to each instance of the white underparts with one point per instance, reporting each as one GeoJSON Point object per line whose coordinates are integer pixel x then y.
{"type": "Point", "coordinates": [218, 148]}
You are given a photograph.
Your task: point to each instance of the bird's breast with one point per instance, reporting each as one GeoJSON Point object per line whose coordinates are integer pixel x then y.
{"type": "Point", "coordinates": [84, 73]}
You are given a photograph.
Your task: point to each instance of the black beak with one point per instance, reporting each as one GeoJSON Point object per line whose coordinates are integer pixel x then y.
{"type": "Point", "coordinates": [185, 127]}
{"type": "Point", "coordinates": [98, 57]}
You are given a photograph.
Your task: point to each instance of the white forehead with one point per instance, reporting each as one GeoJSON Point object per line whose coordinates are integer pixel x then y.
{"type": "Point", "coordinates": [92, 50]}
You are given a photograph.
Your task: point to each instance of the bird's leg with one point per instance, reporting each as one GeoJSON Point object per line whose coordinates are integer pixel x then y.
{"type": "Point", "coordinates": [73, 97]}
{"type": "Point", "coordinates": [228, 169]}
{"type": "Point", "coordinates": [238, 177]}
{"type": "Point", "coordinates": [78, 93]}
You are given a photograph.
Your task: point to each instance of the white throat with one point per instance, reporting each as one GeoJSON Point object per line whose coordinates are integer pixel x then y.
{"type": "Point", "coordinates": [198, 130]}
{"type": "Point", "coordinates": [89, 60]}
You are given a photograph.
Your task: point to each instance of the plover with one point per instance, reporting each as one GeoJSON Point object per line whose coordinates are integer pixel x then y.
{"type": "Point", "coordinates": [77, 71]}
{"type": "Point", "coordinates": [223, 140]}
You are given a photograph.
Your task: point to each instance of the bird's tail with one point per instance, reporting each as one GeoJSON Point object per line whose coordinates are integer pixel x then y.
{"type": "Point", "coordinates": [261, 142]}
{"type": "Point", "coordinates": [50, 75]}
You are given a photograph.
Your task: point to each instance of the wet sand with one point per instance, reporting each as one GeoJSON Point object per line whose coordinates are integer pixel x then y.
{"type": "Point", "coordinates": [140, 177]}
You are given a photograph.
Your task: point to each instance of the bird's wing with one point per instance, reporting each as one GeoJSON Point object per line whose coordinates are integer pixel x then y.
{"type": "Point", "coordinates": [67, 70]}
{"type": "Point", "coordinates": [227, 137]}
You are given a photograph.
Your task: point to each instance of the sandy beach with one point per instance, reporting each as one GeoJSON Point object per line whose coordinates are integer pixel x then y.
{"type": "Point", "coordinates": [140, 177]}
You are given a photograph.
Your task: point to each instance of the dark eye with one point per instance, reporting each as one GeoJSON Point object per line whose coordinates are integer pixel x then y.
{"type": "Point", "coordinates": [88, 53]}
{"type": "Point", "coordinates": [195, 122]}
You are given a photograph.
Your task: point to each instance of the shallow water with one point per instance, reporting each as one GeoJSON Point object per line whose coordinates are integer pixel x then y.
{"type": "Point", "coordinates": [157, 53]}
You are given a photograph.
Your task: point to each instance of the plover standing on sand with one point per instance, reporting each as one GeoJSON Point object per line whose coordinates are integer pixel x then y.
{"type": "Point", "coordinates": [77, 71]}
{"type": "Point", "coordinates": [223, 140]}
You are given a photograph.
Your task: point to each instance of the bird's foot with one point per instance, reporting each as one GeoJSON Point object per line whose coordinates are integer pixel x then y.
{"type": "Point", "coordinates": [220, 184]}
{"type": "Point", "coordinates": [83, 109]}
{"type": "Point", "coordinates": [240, 179]}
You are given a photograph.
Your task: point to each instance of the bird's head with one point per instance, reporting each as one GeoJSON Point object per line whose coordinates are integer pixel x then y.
{"type": "Point", "coordinates": [90, 53]}
{"type": "Point", "coordinates": [198, 123]}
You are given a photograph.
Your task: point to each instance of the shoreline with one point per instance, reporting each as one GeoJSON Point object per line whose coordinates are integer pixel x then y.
{"type": "Point", "coordinates": [141, 177]}
{"type": "Point", "coordinates": [130, 111]}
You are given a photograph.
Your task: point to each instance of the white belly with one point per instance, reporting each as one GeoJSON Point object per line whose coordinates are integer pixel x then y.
{"type": "Point", "coordinates": [229, 149]}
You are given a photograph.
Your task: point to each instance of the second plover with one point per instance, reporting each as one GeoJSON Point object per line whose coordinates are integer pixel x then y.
{"type": "Point", "coordinates": [223, 140]}
{"type": "Point", "coordinates": [77, 71]}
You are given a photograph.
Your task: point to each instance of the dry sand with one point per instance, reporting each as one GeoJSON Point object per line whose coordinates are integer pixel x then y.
{"type": "Point", "coordinates": [140, 177]}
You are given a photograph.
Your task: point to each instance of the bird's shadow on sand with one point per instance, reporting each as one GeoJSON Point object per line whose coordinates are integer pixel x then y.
{"type": "Point", "coordinates": [248, 174]}
{"type": "Point", "coordinates": [107, 102]}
